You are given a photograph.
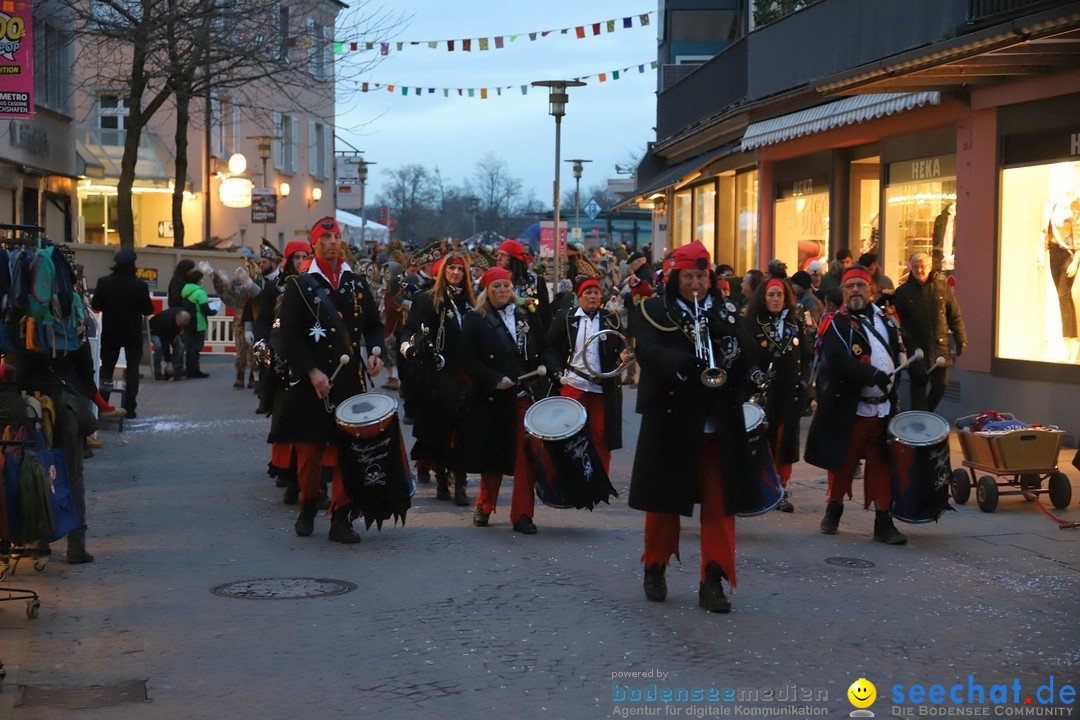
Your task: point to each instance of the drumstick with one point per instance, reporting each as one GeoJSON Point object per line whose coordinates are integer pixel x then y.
{"type": "Point", "coordinates": [540, 371]}
{"type": "Point", "coordinates": [917, 355]}
{"type": "Point", "coordinates": [940, 362]}
{"type": "Point", "coordinates": [342, 362]}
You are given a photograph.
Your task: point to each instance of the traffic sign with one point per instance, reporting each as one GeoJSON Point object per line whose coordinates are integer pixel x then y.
{"type": "Point", "coordinates": [592, 209]}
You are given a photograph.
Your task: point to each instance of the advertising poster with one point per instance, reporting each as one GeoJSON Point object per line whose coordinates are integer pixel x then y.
{"type": "Point", "coordinates": [16, 59]}
{"type": "Point", "coordinates": [263, 206]}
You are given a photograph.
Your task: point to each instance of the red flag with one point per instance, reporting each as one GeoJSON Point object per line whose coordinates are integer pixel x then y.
{"type": "Point", "coordinates": [596, 29]}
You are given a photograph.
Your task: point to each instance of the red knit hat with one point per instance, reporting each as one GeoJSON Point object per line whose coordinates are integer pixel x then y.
{"type": "Point", "coordinates": [693, 256]}
{"type": "Point", "coordinates": [586, 284]}
{"type": "Point", "coordinates": [857, 272]}
{"type": "Point", "coordinates": [514, 249]}
{"type": "Point", "coordinates": [495, 273]}
{"type": "Point", "coordinates": [296, 246]}
{"type": "Point", "coordinates": [325, 226]}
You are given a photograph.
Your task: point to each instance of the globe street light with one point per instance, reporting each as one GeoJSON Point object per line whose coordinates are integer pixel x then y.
{"type": "Point", "coordinates": [578, 167]}
{"type": "Point", "coordinates": [557, 99]}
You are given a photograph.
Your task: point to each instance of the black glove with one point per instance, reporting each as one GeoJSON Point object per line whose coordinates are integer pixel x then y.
{"type": "Point", "coordinates": [882, 380]}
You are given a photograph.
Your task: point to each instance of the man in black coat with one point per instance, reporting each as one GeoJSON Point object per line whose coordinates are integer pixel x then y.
{"type": "Point", "coordinates": [123, 300]}
{"type": "Point", "coordinates": [692, 446]}
{"type": "Point", "coordinates": [166, 330]}
{"type": "Point", "coordinates": [327, 313]}
{"type": "Point", "coordinates": [862, 348]}
{"type": "Point", "coordinates": [928, 312]}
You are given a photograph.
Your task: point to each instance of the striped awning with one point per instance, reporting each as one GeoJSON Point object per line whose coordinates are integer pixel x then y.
{"type": "Point", "coordinates": [848, 111]}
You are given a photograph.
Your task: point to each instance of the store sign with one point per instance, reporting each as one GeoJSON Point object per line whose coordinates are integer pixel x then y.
{"type": "Point", "coordinates": [922, 169]}
{"type": "Point", "coordinates": [1040, 147]}
{"type": "Point", "coordinates": [547, 239]}
{"type": "Point", "coordinates": [149, 276]}
{"type": "Point", "coordinates": [803, 187]}
{"type": "Point", "coordinates": [16, 59]}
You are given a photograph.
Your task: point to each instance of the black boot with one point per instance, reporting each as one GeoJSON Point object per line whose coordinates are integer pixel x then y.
{"type": "Point", "coordinates": [711, 593]}
{"type": "Point", "coordinates": [885, 531]}
{"type": "Point", "coordinates": [423, 476]}
{"type": "Point", "coordinates": [341, 529]}
{"type": "Point", "coordinates": [831, 522]}
{"type": "Point", "coordinates": [305, 524]}
{"type": "Point", "coordinates": [461, 498]}
{"type": "Point", "coordinates": [442, 485]}
{"type": "Point", "coordinates": [655, 585]}
{"type": "Point", "coordinates": [292, 489]}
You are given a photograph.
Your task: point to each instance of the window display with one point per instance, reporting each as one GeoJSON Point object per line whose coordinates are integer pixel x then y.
{"type": "Point", "coordinates": [802, 224]}
{"type": "Point", "coordinates": [681, 219]}
{"type": "Point", "coordinates": [1040, 238]}
{"type": "Point", "coordinates": [920, 214]}
{"type": "Point", "coordinates": [746, 200]}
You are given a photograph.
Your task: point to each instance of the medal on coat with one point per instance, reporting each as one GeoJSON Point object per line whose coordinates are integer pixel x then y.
{"type": "Point", "coordinates": [317, 332]}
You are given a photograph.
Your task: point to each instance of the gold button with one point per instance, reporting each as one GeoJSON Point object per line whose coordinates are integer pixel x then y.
{"type": "Point", "coordinates": [491, 357]}
{"type": "Point", "coordinates": [671, 392]}
{"type": "Point", "coordinates": [669, 411]}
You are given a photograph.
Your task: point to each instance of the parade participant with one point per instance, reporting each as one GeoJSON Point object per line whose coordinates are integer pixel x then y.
{"type": "Point", "coordinates": [861, 347]}
{"type": "Point", "coordinates": [530, 289]}
{"type": "Point", "coordinates": [326, 312]}
{"type": "Point", "coordinates": [780, 349]}
{"type": "Point", "coordinates": [500, 342]}
{"type": "Point", "coordinates": [928, 312]}
{"type": "Point", "coordinates": [238, 293]}
{"type": "Point", "coordinates": [565, 354]}
{"type": "Point", "coordinates": [438, 393]}
{"type": "Point", "coordinates": [692, 446]}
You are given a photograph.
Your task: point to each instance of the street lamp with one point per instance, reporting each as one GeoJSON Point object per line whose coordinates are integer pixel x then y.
{"type": "Point", "coordinates": [361, 171]}
{"type": "Point", "coordinates": [578, 167]}
{"type": "Point", "coordinates": [557, 99]}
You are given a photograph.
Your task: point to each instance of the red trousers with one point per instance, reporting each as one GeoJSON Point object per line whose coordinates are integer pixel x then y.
{"type": "Point", "coordinates": [281, 456]}
{"type": "Point", "coordinates": [523, 501]}
{"type": "Point", "coordinates": [310, 459]}
{"type": "Point", "coordinates": [782, 469]}
{"type": "Point", "coordinates": [594, 408]}
{"type": "Point", "coordinates": [877, 484]}
{"type": "Point", "coordinates": [717, 527]}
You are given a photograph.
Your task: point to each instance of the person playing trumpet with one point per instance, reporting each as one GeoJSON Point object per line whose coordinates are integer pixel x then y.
{"type": "Point", "coordinates": [692, 446]}
{"type": "Point", "coordinates": [576, 350]}
{"type": "Point", "coordinates": [501, 345]}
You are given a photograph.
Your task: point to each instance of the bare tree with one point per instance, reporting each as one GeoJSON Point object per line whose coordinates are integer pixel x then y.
{"type": "Point", "coordinates": [499, 194]}
{"type": "Point", "coordinates": [412, 194]}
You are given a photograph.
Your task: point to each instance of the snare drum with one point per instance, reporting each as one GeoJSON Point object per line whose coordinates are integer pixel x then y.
{"type": "Point", "coordinates": [772, 489]}
{"type": "Point", "coordinates": [569, 473]}
{"type": "Point", "coordinates": [919, 465]}
{"type": "Point", "coordinates": [374, 468]}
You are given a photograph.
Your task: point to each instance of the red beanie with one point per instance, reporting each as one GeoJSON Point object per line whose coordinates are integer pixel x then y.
{"type": "Point", "coordinates": [586, 284]}
{"type": "Point", "coordinates": [437, 266]}
{"type": "Point", "coordinates": [296, 246]}
{"type": "Point", "coordinates": [324, 227]}
{"type": "Point", "coordinates": [514, 249]}
{"type": "Point", "coordinates": [495, 273]}
{"type": "Point", "coordinates": [857, 272]}
{"type": "Point", "coordinates": [692, 256]}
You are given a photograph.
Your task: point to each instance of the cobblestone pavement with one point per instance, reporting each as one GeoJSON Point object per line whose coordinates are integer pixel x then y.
{"type": "Point", "coordinates": [448, 620]}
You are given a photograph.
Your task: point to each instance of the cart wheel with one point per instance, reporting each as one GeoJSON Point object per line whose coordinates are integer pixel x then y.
{"type": "Point", "coordinates": [986, 493]}
{"type": "Point", "coordinates": [960, 486]}
{"type": "Point", "coordinates": [39, 565]}
{"type": "Point", "coordinates": [32, 607]}
{"type": "Point", "coordinates": [1060, 490]}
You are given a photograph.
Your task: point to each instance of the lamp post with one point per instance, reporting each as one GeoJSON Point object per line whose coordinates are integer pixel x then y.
{"type": "Point", "coordinates": [474, 205]}
{"type": "Point", "coordinates": [557, 99]}
{"type": "Point", "coordinates": [578, 167]}
{"type": "Point", "coordinates": [362, 170]}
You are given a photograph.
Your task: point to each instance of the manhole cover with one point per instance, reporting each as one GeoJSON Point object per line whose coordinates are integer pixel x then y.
{"type": "Point", "coordinates": [283, 588]}
{"type": "Point", "coordinates": [850, 562]}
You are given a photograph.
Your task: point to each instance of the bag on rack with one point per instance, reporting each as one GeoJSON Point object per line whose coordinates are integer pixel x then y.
{"type": "Point", "coordinates": [11, 495]}
{"type": "Point", "coordinates": [62, 508]}
{"type": "Point", "coordinates": [35, 501]}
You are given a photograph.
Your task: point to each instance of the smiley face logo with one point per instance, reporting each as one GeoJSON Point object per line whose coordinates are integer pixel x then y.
{"type": "Point", "coordinates": [862, 693]}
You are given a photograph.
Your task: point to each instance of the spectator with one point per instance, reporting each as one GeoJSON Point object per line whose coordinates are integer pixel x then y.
{"type": "Point", "coordinates": [806, 301]}
{"type": "Point", "coordinates": [193, 293]}
{"type": "Point", "coordinates": [750, 283]}
{"type": "Point", "coordinates": [166, 331]}
{"type": "Point", "coordinates": [817, 272]}
{"type": "Point", "coordinates": [882, 282]}
{"type": "Point", "coordinates": [776, 269]}
{"type": "Point", "coordinates": [123, 300]}
{"type": "Point", "coordinates": [836, 269]}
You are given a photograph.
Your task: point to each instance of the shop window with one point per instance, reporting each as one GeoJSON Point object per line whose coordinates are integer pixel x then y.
{"type": "Point", "coordinates": [1040, 239]}
{"type": "Point", "coordinates": [746, 201]}
{"type": "Point", "coordinates": [801, 229]}
{"type": "Point", "coordinates": [682, 222]}
{"type": "Point", "coordinates": [864, 232]}
{"type": "Point", "coordinates": [920, 214]}
{"type": "Point", "coordinates": [705, 215]}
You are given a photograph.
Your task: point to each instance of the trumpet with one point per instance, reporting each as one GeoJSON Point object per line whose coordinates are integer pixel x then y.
{"type": "Point", "coordinates": [419, 342]}
{"type": "Point", "coordinates": [712, 376]}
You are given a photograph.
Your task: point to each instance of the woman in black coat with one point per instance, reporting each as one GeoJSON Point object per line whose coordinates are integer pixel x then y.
{"type": "Point", "coordinates": [779, 349]}
{"type": "Point", "coordinates": [500, 342]}
{"type": "Point", "coordinates": [437, 393]}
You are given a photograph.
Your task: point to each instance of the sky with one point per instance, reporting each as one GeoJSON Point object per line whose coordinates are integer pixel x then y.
{"type": "Point", "coordinates": [606, 122]}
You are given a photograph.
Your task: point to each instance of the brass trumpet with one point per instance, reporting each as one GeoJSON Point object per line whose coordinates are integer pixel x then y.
{"type": "Point", "coordinates": [419, 342]}
{"type": "Point", "coordinates": [712, 376]}
{"type": "Point", "coordinates": [595, 372]}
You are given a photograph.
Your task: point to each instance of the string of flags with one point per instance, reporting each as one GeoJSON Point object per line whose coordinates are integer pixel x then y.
{"type": "Point", "coordinates": [486, 92]}
{"type": "Point", "coordinates": [497, 42]}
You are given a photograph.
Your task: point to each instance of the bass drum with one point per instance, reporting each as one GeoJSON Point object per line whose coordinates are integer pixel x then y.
{"type": "Point", "coordinates": [372, 458]}
{"type": "Point", "coordinates": [919, 465]}
{"type": "Point", "coordinates": [568, 470]}
{"type": "Point", "coordinates": [772, 489]}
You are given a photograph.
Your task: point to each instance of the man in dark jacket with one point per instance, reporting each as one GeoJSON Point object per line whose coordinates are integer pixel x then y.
{"type": "Point", "coordinates": [928, 312]}
{"type": "Point", "coordinates": [166, 329]}
{"type": "Point", "coordinates": [123, 300]}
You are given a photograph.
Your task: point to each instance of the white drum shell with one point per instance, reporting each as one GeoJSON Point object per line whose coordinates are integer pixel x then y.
{"type": "Point", "coordinates": [919, 428]}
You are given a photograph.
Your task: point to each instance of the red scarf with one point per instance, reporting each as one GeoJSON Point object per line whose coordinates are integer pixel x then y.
{"type": "Point", "coordinates": [333, 274]}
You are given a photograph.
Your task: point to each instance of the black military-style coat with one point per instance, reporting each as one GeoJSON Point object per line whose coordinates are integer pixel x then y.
{"type": "Point", "coordinates": [311, 337]}
{"type": "Point", "coordinates": [558, 347]}
{"type": "Point", "coordinates": [488, 354]}
{"type": "Point", "coordinates": [436, 397]}
{"type": "Point", "coordinates": [532, 286]}
{"type": "Point", "coordinates": [846, 370]}
{"type": "Point", "coordinates": [785, 349]}
{"type": "Point", "coordinates": [674, 405]}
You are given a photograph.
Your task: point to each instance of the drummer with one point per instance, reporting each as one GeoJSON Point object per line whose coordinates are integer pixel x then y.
{"type": "Point", "coordinates": [779, 351]}
{"type": "Point", "coordinates": [692, 446]}
{"type": "Point", "coordinates": [327, 313]}
{"type": "Point", "coordinates": [861, 347]}
{"type": "Point", "coordinates": [565, 355]}
{"type": "Point", "coordinates": [500, 342]}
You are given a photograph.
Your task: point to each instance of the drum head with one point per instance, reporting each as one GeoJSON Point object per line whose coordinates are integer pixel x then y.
{"type": "Point", "coordinates": [753, 415]}
{"type": "Point", "coordinates": [365, 409]}
{"type": "Point", "coordinates": [555, 418]}
{"type": "Point", "coordinates": [916, 427]}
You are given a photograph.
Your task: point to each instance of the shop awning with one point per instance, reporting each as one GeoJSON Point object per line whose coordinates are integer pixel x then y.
{"type": "Point", "coordinates": [848, 111]}
{"type": "Point", "coordinates": [675, 175]}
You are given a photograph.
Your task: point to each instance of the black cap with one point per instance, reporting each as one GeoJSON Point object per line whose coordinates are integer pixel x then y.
{"type": "Point", "coordinates": [802, 279]}
{"type": "Point", "coordinates": [124, 257]}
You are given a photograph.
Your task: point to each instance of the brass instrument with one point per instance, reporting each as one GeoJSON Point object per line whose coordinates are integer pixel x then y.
{"type": "Point", "coordinates": [712, 376]}
{"type": "Point", "coordinates": [595, 372]}
{"type": "Point", "coordinates": [419, 342]}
